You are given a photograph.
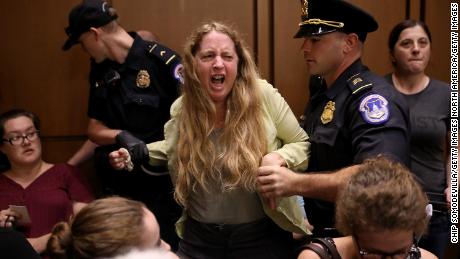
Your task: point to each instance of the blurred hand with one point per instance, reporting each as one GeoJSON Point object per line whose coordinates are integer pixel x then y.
{"type": "Point", "coordinates": [274, 182]}
{"type": "Point", "coordinates": [119, 159]}
{"type": "Point", "coordinates": [7, 217]}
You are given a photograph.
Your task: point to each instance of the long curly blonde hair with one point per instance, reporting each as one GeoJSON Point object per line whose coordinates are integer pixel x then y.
{"type": "Point", "coordinates": [233, 161]}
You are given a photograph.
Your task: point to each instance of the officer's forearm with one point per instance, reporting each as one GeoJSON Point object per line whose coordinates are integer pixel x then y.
{"type": "Point", "coordinates": [101, 134]}
{"type": "Point", "coordinates": [85, 152]}
{"type": "Point", "coordinates": [324, 185]}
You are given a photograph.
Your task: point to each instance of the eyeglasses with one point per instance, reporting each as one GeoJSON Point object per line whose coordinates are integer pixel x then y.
{"type": "Point", "coordinates": [375, 255]}
{"type": "Point", "coordinates": [19, 139]}
{"type": "Point", "coordinates": [378, 255]}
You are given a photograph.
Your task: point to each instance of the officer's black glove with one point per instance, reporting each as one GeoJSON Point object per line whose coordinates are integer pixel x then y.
{"type": "Point", "coordinates": [136, 147]}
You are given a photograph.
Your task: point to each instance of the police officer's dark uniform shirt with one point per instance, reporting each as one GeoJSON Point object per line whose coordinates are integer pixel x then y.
{"type": "Point", "coordinates": [356, 118]}
{"type": "Point", "coordinates": [120, 102]}
{"type": "Point", "coordinates": [136, 96]}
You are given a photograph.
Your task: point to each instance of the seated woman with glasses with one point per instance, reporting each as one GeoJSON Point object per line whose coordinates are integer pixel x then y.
{"type": "Point", "coordinates": [49, 193]}
{"type": "Point", "coordinates": [381, 212]}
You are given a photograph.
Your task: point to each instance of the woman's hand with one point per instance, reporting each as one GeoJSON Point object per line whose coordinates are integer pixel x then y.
{"type": "Point", "coordinates": [7, 217]}
{"type": "Point", "coordinates": [120, 159]}
{"type": "Point", "coordinates": [272, 159]}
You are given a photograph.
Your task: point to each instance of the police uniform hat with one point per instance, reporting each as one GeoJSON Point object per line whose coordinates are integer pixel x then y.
{"type": "Point", "coordinates": [90, 13]}
{"type": "Point", "coordinates": [326, 16]}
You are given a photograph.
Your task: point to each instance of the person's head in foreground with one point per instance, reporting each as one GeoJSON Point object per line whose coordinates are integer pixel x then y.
{"type": "Point", "coordinates": [148, 254]}
{"type": "Point", "coordinates": [381, 212]}
{"type": "Point", "coordinates": [106, 228]}
{"type": "Point", "coordinates": [383, 209]}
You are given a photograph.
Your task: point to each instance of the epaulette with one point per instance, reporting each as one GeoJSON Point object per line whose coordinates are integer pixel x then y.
{"type": "Point", "coordinates": [167, 55]}
{"type": "Point", "coordinates": [357, 83]}
{"type": "Point", "coordinates": [170, 58]}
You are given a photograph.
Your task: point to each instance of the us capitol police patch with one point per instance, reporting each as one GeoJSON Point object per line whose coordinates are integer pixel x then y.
{"type": "Point", "coordinates": [179, 73]}
{"type": "Point", "coordinates": [374, 109]}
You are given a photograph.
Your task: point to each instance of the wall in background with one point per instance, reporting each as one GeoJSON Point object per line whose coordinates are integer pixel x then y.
{"type": "Point", "coordinates": [37, 75]}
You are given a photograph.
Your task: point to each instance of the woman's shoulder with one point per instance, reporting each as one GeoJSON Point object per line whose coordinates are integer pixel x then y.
{"type": "Point", "coordinates": [439, 88]}
{"type": "Point", "coordinates": [264, 86]}
{"type": "Point", "coordinates": [328, 247]}
{"type": "Point", "coordinates": [62, 169]}
{"type": "Point", "coordinates": [308, 254]}
{"type": "Point", "coordinates": [176, 107]}
{"type": "Point", "coordinates": [427, 254]}
{"type": "Point", "coordinates": [268, 91]}
{"type": "Point", "coordinates": [441, 85]}
{"type": "Point", "coordinates": [439, 82]}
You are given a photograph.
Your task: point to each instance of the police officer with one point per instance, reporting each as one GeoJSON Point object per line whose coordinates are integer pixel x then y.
{"type": "Point", "coordinates": [132, 86]}
{"type": "Point", "coordinates": [352, 115]}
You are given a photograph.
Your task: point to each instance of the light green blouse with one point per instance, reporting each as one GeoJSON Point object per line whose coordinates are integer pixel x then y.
{"type": "Point", "coordinates": [284, 136]}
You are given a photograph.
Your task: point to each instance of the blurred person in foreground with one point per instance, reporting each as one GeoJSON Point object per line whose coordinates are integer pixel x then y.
{"type": "Point", "coordinates": [106, 227]}
{"type": "Point", "coordinates": [381, 212]}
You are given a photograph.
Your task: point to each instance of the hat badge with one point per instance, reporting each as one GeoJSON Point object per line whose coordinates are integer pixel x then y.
{"type": "Point", "coordinates": [143, 79]}
{"type": "Point", "coordinates": [304, 8]}
{"type": "Point", "coordinates": [328, 112]}
{"type": "Point", "coordinates": [315, 21]}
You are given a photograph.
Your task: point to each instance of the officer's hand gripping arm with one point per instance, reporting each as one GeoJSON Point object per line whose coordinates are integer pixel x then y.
{"type": "Point", "coordinates": [136, 147]}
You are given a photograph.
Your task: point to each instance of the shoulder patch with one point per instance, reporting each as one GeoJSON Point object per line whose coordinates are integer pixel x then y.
{"type": "Point", "coordinates": [179, 72]}
{"type": "Point", "coordinates": [357, 83]}
{"type": "Point", "coordinates": [374, 109]}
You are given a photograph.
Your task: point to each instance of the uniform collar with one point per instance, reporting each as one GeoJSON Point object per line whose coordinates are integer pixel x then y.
{"type": "Point", "coordinates": [136, 55]}
{"type": "Point", "coordinates": [341, 82]}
